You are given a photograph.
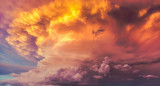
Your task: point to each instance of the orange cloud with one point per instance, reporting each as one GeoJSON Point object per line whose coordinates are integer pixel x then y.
{"type": "Point", "coordinates": [67, 33]}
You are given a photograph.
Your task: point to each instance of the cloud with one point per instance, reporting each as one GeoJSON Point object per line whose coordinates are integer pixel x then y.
{"type": "Point", "coordinates": [36, 33]}
{"type": "Point", "coordinates": [104, 68]}
{"type": "Point", "coordinates": [124, 67]}
{"type": "Point", "coordinates": [62, 36]}
{"type": "Point", "coordinates": [101, 70]}
{"type": "Point", "coordinates": [98, 77]}
{"type": "Point", "coordinates": [149, 76]}
{"type": "Point", "coordinates": [62, 75]}
{"type": "Point", "coordinates": [142, 3]}
{"type": "Point", "coordinates": [13, 68]}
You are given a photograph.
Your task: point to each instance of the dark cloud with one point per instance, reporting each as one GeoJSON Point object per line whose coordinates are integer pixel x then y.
{"type": "Point", "coordinates": [125, 15]}
{"type": "Point", "coordinates": [137, 3]}
{"type": "Point", "coordinates": [151, 10]}
{"type": "Point", "coordinates": [96, 33]}
{"type": "Point", "coordinates": [150, 62]}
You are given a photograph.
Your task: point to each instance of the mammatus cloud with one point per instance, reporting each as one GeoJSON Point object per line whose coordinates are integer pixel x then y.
{"type": "Point", "coordinates": [69, 39]}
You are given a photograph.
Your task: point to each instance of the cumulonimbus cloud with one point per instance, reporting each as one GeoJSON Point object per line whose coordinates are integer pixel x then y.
{"type": "Point", "coordinates": [64, 35]}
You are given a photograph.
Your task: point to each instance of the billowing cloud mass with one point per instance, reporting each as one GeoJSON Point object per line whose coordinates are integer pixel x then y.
{"type": "Point", "coordinates": [69, 40]}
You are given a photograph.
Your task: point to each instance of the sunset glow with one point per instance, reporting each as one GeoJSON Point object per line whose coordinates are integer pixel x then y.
{"type": "Point", "coordinates": [80, 42]}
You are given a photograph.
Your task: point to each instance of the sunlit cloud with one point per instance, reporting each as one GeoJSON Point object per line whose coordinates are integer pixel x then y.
{"type": "Point", "coordinates": [70, 40]}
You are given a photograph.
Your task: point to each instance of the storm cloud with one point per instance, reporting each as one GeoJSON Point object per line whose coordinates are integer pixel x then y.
{"type": "Point", "coordinates": [69, 40]}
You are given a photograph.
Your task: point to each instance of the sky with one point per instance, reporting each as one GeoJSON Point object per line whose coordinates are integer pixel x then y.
{"type": "Point", "coordinates": [79, 42]}
{"type": "Point", "coordinates": [4, 77]}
